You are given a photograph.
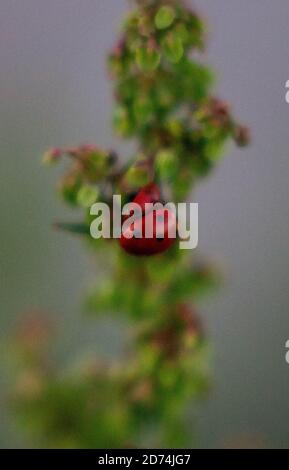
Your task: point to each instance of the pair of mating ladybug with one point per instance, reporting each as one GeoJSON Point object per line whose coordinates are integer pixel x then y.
{"type": "Point", "coordinates": [160, 222]}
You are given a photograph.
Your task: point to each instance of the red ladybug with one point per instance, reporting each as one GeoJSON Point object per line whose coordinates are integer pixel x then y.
{"type": "Point", "coordinates": [160, 224]}
{"type": "Point", "coordinates": [149, 194]}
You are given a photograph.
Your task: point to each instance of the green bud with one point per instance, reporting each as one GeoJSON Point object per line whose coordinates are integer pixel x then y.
{"type": "Point", "coordinates": [98, 163]}
{"type": "Point", "coordinates": [145, 25]}
{"type": "Point", "coordinates": [165, 17]}
{"type": "Point", "coordinates": [136, 176]}
{"type": "Point", "coordinates": [173, 48]}
{"type": "Point", "coordinates": [147, 58]}
{"type": "Point", "coordinates": [215, 148]}
{"type": "Point", "coordinates": [69, 188]}
{"type": "Point", "coordinates": [183, 33]}
{"type": "Point", "coordinates": [175, 128]}
{"type": "Point", "coordinates": [121, 121]}
{"type": "Point", "coordinates": [143, 109]}
{"type": "Point", "coordinates": [166, 163]}
{"type": "Point", "coordinates": [87, 195]}
{"type": "Point", "coordinates": [165, 96]}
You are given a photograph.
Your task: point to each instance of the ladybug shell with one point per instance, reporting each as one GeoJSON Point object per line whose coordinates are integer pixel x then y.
{"type": "Point", "coordinates": [138, 245]}
{"type": "Point", "coordinates": [149, 194]}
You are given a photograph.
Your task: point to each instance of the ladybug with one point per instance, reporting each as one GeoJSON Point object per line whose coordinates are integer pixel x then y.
{"type": "Point", "coordinates": [149, 194]}
{"type": "Point", "coordinates": [159, 223]}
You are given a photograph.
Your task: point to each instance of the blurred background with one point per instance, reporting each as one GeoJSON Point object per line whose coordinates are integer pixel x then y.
{"type": "Point", "coordinates": [54, 90]}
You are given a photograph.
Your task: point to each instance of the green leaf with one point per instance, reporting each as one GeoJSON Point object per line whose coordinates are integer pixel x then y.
{"type": "Point", "coordinates": [165, 17]}
{"type": "Point", "coordinates": [76, 228]}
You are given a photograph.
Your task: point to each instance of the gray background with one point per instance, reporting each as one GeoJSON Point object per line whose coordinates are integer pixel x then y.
{"type": "Point", "coordinates": [54, 90]}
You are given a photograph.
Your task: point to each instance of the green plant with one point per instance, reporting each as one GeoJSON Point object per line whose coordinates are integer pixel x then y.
{"type": "Point", "coordinates": [163, 99]}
